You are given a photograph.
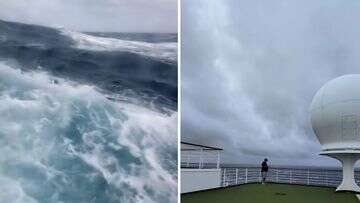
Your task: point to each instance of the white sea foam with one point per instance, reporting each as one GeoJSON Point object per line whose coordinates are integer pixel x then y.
{"type": "Point", "coordinates": [166, 51]}
{"type": "Point", "coordinates": [44, 124]}
{"type": "Point", "coordinates": [11, 191]}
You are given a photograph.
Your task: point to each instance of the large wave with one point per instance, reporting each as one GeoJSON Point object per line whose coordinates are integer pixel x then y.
{"type": "Point", "coordinates": [125, 65]}
{"type": "Point", "coordinates": [87, 117]}
{"type": "Point", "coordinates": [166, 51]}
{"type": "Point", "coordinates": [65, 142]}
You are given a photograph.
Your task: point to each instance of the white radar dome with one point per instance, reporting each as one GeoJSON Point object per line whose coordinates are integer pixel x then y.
{"type": "Point", "coordinates": [335, 119]}
{"type": "Point", "coordinates": [335, 114]}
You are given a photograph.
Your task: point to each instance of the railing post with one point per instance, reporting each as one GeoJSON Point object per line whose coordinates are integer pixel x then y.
{"type": "Point", "coordinates": [325, 178]}
{"type": "Point", "coordinates": [218, 160]}
{"type": "Point", "coordinates": [260, 177]}
{"type": "Point", "coordinates": [290, 176]}
{"type": "Point", "coordinates": [224, 178]}
{"type": "Point", "coordinates": [277, 175]}
{"type": "Point", "coordinates": [246, 175]}
{"type": "Point", "coordinates": [308, 177]}
{"type": "Point", "coordinates": [237, 170]}
{"type": "Point", "coordinates": [188, 160]}
{"type": "Point", "coordinates": [200, 161]}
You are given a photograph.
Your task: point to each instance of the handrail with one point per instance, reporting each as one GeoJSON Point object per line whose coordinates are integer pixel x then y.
{"type": "Point", "coordinates": [200, 159]}
{"type": "Point", "coordinates": [307, 176]}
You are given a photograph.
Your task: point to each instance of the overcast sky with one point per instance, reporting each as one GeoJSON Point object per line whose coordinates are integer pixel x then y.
{"type": "Point", "coordinates": [95, 15]}
{"type": "Point", "coordinates": [251, 68]}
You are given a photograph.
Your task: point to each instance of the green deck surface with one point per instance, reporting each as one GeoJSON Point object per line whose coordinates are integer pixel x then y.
{"type": "Point", "coordinates": [270, 193]}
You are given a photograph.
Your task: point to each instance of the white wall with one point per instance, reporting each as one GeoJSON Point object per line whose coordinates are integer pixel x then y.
{"type": "Point", "coordinates": [199, 179]}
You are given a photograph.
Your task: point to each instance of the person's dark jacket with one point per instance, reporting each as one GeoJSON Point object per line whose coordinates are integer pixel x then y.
{"type": "Point", "coordinates": [264, 167]}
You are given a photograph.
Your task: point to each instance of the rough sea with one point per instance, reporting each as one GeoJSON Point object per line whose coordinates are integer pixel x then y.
{"type": "Point", "coordinates": [87, 117]}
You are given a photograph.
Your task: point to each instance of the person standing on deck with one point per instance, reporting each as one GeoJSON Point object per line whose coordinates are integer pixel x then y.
{"type": "Point", "coordinates": [264, 170]}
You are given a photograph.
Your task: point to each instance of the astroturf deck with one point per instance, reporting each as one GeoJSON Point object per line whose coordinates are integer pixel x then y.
{"type": "Point", "coordinates": [270, 193]}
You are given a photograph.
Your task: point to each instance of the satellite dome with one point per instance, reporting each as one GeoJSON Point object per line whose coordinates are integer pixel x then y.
{"type": "Point", "coordinates": [335, 119]}
{"type": "Point", "coordinates": [335, 114]}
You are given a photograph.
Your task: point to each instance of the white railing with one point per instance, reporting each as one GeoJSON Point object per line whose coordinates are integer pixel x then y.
{"type": "Point", "coordinates": [315, 177]}
{"type": "Point", "coordinates": [200, 159]}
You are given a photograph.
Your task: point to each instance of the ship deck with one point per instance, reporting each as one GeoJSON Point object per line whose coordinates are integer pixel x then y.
{"type": "Point", "coordinates": [270, 193]}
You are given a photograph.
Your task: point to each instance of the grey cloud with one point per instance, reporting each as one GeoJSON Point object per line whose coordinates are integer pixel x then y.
{"type": "Point", "coordinates": [250, 70]}
{"type": "Point", "coordinates": [95, 15]}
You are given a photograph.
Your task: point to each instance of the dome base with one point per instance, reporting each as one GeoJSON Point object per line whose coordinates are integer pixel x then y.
{"type": "Point", "coordinates": [348, 161]}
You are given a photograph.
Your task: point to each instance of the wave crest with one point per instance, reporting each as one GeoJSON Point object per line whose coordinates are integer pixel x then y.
{"type": "Point", "coordinates": [165, 51]}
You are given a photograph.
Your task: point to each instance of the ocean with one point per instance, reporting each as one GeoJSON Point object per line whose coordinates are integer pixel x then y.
{"type": "Point", "coordinates": [87, 117]}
